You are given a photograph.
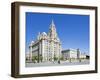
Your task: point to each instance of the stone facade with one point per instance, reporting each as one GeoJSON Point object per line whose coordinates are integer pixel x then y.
{"type": "Point", "coordinates": [72, 54]}
{"type": "Point", "coordinates": [47, 45]}
{"type": "Point", "coordinates": [69, 54]}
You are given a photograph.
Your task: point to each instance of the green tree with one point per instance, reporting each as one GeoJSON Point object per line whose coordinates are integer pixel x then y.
{"type": "Point", "coordinates": [34, 58]}
{"type": "Point", "coordinates": [61, 58]}
{"type": "Point", "coordinates": [55, 58]}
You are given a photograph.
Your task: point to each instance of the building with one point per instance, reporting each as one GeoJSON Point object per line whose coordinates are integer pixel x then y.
{"type": "Point", "coordinates": [47, 46]}
{"type": "Point", "coordinates": [72, 54]}
{"type": "Point", "coordinates": [83, 56]}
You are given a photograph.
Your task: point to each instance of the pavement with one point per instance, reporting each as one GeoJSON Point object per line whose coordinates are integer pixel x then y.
{"type": "Point", "coordinates": [55, 63]}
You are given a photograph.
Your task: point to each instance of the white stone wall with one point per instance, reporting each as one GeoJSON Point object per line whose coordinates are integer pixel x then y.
{"type": "Point", "coordinates": [73, 54]}
{"type": "Point", "coordinates": [70, 54]}
{"type": "Point", "coordinates": [82, 56]}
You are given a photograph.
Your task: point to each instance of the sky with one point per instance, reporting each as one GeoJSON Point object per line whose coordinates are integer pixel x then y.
{"type": "Point", "coordinates": [72, 29]}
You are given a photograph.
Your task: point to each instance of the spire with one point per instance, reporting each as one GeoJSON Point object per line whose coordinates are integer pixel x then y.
{"type": "Point", "coordinates": [52, 30]}
{"type": "Point", "coordinates": [52, 23]}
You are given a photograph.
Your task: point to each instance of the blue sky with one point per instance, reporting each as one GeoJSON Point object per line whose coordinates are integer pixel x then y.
{"type": "Point", "coordinates": [73, 30]}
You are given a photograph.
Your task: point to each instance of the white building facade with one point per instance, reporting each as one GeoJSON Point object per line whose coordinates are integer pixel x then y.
{"type": "Point", "coordinates": [72, 54]}
{"type": "Point", "coordinates": [47, 46]}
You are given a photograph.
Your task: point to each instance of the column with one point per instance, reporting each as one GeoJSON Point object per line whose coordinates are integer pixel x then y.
{"type": "Point", "coordinates": [42, 49]}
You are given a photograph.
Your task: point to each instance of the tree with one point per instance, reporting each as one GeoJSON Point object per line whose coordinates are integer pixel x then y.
{"type": "Point", "coordinates": [34, 58]}
{"type": "Point", "coordinates": [55, 58]}
{"type": "Point", "coordinates": [61, 58]}
{"type": "Point", "coordinates": [26, 59]}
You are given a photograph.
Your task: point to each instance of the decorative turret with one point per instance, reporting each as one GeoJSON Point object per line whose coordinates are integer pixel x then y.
{"type": "Point", "coordinates": [38, 37]}
{"type": "Point", "coordinates": [52, 31]}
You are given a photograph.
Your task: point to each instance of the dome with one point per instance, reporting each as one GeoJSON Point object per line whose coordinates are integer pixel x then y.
{"type": "Point", "coordinates": [32, 42]}
{"type": "Point", "coordinates": [44, 34]}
